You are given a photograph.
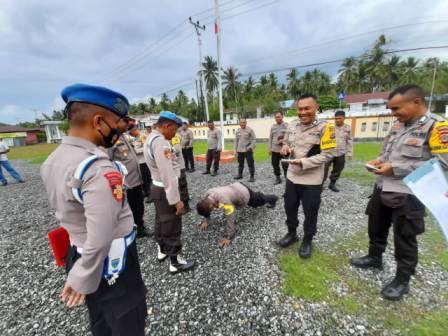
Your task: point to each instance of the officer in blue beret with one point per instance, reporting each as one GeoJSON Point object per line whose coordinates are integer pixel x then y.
{"type": "Point", "coordinates": [86, 190]}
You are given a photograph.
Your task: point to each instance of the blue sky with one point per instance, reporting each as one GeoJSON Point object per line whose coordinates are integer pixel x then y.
{"type": "Point", "coordinates": [143, 48]}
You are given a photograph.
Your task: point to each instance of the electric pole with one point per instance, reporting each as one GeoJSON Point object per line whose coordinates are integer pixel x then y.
{"type": "Point", "coordinates": [218, 45]}
{"type": "Point", "coordinates": [198, 29]}
{"type": "Point", "coordinates": [433, 84]}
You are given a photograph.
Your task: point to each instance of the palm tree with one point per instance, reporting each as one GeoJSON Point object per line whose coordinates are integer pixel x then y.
{"type": "Point", "coordinates": [376, 69]}
{"type": "Point", "coordinates": [165, 102]}
{"type": "Point", "coordinates": [210, 68]}
{"type": "Point", "coordinates": [347, 74]}
{"type": "Point", "coordinates": [249, 86]}
{"type": "Point", "coordinates": [273, 81]}
{"type": "Point", "coordinates": [293, 87]}
{"type": "Point", "coordinates": [410, 70]}
{"type": "Point", "coordinates": [152, 105]}
{"type": "Point", "coordinates": [394, 70]}
{"type": "Point", "coordinates": [231, 83]}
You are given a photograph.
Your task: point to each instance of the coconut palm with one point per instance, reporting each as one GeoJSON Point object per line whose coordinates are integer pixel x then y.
{"type": "Point", "coordinates": [210, 68]}
{"type": "Point", "coordinates": [347, 74]}
{"type": "Point", "coordinates": [409, 70]}
{"type": "Point", "coordinates": [231, 83]}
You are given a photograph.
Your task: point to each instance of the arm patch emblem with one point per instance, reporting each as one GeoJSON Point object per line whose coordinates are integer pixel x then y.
{"type": "Point", "coordinates": [115, 181]}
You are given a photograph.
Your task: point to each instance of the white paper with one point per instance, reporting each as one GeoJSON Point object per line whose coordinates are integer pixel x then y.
{"type": "Point", "coordinates": [429, 185]}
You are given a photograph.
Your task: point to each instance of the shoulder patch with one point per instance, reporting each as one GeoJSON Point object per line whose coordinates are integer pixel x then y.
{"type": "Point", "coordinates": [115, 181]}
{"type": "Point", "coordinates": [228, 208]}
{"type": "Point", "coordinates": [438, 142]}
{"type": "Point", "coordinates": [328, 139]}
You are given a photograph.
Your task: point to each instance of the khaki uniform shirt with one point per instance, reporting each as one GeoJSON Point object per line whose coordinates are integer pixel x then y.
{"type": "Point", "coordinates": [214, 139]}
{"type": "Point", "coordinates": [187, 138]}
{"type": "Point", "coordinates": [227, 198]}
{"type": "Point", "coordinates": [124, 152]}
{"type": "Point", "coordinates": [314, 144]}
{"type": "Point", "coordinates": [344, 140]}
{"type": "Point", "coordinates": [105, 214]}
{"type": "Point", "coordinates": [159, 158]}
{"type": "Point", "coordinates": [407, 146]}
{"type": "Point", "coordinates": [276, 137]}
{"type": "Point", "coordinates": [179, 163]}
{"type": "Point", "coordinates": [244, 140]}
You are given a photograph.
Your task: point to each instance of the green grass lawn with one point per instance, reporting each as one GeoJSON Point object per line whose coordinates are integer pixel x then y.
{"type": "Point", "coordinates": [34, 153]}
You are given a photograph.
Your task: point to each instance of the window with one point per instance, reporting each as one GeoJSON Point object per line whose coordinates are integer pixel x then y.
{"type": "Point", "coordinates": [363, 127]}
{"type": "Point", "coordinates": [203, 133]}
{"type": "Point", "coordinates": [386, 126]}
{"type": "Point", "coordinates": [194, 133]}
{"type": "Point", "coordinates": [228, 131]}
{"type": "Point", "coordinates": [374, 126]}
{"type": "Point", "coordinates": [233, 131]}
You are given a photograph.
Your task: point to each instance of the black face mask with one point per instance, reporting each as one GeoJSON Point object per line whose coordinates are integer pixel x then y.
{"type": "Point", "coordinates": [113, 136]}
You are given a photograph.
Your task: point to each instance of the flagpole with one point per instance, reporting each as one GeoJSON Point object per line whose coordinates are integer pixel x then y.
{"type": "Point", "coordinates": [218, 44]}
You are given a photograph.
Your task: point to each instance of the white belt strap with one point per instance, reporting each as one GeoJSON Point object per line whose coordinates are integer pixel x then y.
{"type": "Point", "coordinates": [158, 184]}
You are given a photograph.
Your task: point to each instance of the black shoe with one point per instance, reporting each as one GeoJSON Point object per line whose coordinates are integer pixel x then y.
{"type": "Point", "coordinates": [252, 179]}
{"type": "Point", "coordinates": [142, 232]}
{"type": "Point", "coordinates": [180, 265]}
{"type": "Point", "coordinates": [395, 290]}
{"type": "Point", "coordinates": [149, 200]}
{"type": "Point", "coordinates": [368, 262]}
{"type": "Point", "coordinates": [4, 184]}
{"type": "Point", "coordinates": [192, 170]}
{"type": "Point", "coordinates": [278, 180]}
{"type": "Point", "coordinates": [306, 248]}
{"type": "Point", "coordinates": [271, 200]}
{"type": "Point", "coordinates": [21, 181]}
{"type": "Point", "coordinates": [238, 177]}
{"type": "Point", "coordinates": [333, 187]}
{"type": "Point", "coordinates": [160, 255]}
{"type": "Point", "coordinates": [214, 173]}
{"type": "Point", "coordinates": [288, 239]}
{"type": "Point", "coordinates": [206, 172]}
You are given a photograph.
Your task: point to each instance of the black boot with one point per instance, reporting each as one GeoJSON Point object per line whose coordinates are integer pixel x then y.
{"type": "Point", "coordinates": [206, 172]}
{"type": "Point", "coordinates": [368, 261]}
{"type": "Point", "coordinates": [252, 178]}
{"type": "Point", "coordinates": [214, 173]}
{"type": "Point", "coordinates": [288, 239]}
{"type": "Point", "coordinates": [178, 264]}
{"type": "Point", "coordinates": [278, 180]}
{"type": "Point", "coordinates": [395, 290]}
{"type": "Point", "coordinates": [271, 201]}
{"type": "Point", "coordinates": [333, 187]}
{"type": "Point", "coordinates": [306, 248]}
{"type": "Point", "coordinates": [142, 232]}
{"type": "Point", "coordinates": [238, 177]}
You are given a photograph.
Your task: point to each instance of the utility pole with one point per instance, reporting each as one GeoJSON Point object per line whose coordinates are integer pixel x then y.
{"type": "Point", "coordinates": [433, 84]}
{"type": "Point", "coordinates": [218, 45]}
{"type": "Point", "coordinates": [198, 29]}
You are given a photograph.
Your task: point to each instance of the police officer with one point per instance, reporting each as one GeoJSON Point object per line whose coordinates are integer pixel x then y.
{"type": "Point", "coordinates": [124, 152]}
{"type": "Point", "coordinates": [146, 173]}
{"type": "Point", "coordinates": [179, 168]}
{"type": "Point", "coordinates": [310, 143]}
{"type": "Point", "coordinates": [414, 138]}
{"type": "Point", "coordinates": [160, 158]}
{"type": "Point", "coordinates": [276, 137]}
{"type": "Point", "coordinates": [244, 147]}
{"type": "Point", "coordinates": [214, 148]}
{"type": "Point", "coordinates": [344, 141]}
{"type": "Point", "coordinates": [227, 198]}
{"type": "Point", "coordinates": [187, 146]}
{"type": "Point", "coordinates": [86, 190]}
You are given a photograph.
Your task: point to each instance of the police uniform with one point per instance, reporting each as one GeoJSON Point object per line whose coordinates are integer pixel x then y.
{"type": "Point", "coordinates": [90, 203]}
{"type": "Point", "coordinates": [236, 195]}
{"type": "Point", "coordinates": [214, 148]}
{"type": "Point", "coordinates": [244, 146]}
{"type": "Point", "coordinates": [187, 148]}
{"type": "Point", "coordinates": [124, 152]}
{"type": "Point", "coordinates": [392, 203]}
{"type": "Point", "coordinates": [344, 141]}
{"type": "Point", "coordinates": [313, 144]}
{"type": "Point", "coordinates": [144, 170]}
{"type": "Point", "coordinates": [160, 158]}
{"type": "Point", "coordinates": [179, 167]}
{"type": "Point", "coordinates": [276, 137]}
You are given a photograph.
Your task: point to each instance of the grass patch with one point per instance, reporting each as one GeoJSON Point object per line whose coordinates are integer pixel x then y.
{"type": "Point", "coordinates": [34, 153]}
{"type": "Point", "coordinates": [434, 244]}
{"type": "Point", "coordinates": [435, 324]}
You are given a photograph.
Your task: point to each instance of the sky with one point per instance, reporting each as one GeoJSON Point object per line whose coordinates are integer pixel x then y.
{"type": "Point", "coordinates": [143, 48]}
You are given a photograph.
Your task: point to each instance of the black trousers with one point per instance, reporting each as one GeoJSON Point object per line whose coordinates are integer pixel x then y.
{"type": "Point", "coordinates": [137, 204]}
{"type": "Point", "coordinates": [188, 157]}
{"type": "Point", "coordinates": [146, 176]}
{"type": "Point", "coordinates": [120, 309]}
{"type": "Point", "coordinates": [256, 198]}
{"type": "Point", "coordinates": [275, 161]}
{"type": "Point", "coordinates": [183, 187]}
{"type": "Point", "coordinates": [309, 196]}
{"type": "Point", "coordinates": [213, 155]}
{"type": "Point", "coordinates": [338, 163]}
{"type": "Point", "coordinates": [168, 225]}
{"type": "Point", "coordinates": [407, 222]}
{"type": "Point", "coordinates": [249, 157]}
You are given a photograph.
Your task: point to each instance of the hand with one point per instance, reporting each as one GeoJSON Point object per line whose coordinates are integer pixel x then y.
{"type": "Point", "coordinates": [224, 242]}
{"type": "Point", "coordinates": [72, 298]}
{"type": "Point", "coordinates": [374, 162]}
{"type": "Point", "coordinates": [270, 153]}
{"type": "Point", "coordinates": [384, 169]}
{"type": "Point", "coordinates": [349, 157]}
{"type": "Point", "coordinates": [234, 152]}
{"type": "Point", "coordinates": [296, 162]}
{"type": "Point", "coordinates": [204, 225]}
{"type": "Point", "coordinates": [179, 208]}
{"type": "Point", "coordinates": [249, 149]}
{"type": "Point", "coordinates": [285, 150]}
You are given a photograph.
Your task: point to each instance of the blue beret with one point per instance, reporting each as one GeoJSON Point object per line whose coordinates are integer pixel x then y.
{"type": "Point", "coordinates": [97, 95]}
{"type": "Point", "coordinates": [171, 116]}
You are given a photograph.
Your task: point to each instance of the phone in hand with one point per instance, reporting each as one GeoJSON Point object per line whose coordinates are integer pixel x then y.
{"type": "Point", "coordinates": [370, 167]}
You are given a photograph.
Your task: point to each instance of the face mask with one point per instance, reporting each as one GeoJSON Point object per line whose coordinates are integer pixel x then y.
{"type": "Point", "coordinates": [113, 136]}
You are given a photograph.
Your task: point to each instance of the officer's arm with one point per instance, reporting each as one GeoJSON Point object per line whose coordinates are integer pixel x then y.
{"type": "Point", "coordinates": [350, 144]}
{"type": "Point", "coordinates": [103, 199]}
{"type": "Point", "coordinates": [190, 139]}
{"type": "Point", "coordinates": [165, 166]}
{"type": "Point", "coordinates": [253, 140]}
{"type": "Point", "coordinates": [219, 146]}
{"type": "Point", "coordinates": [231, 228]}
{"type": "Point", "coordinates": [236, 141]}
{"type": "Point", "coordinates": [327, 147]}
{"type": "Point", "coordinates": [270, 140]}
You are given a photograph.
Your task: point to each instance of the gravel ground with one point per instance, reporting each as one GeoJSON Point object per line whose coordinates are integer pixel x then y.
{"type": "Point", "coordinates": [233, 291]}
